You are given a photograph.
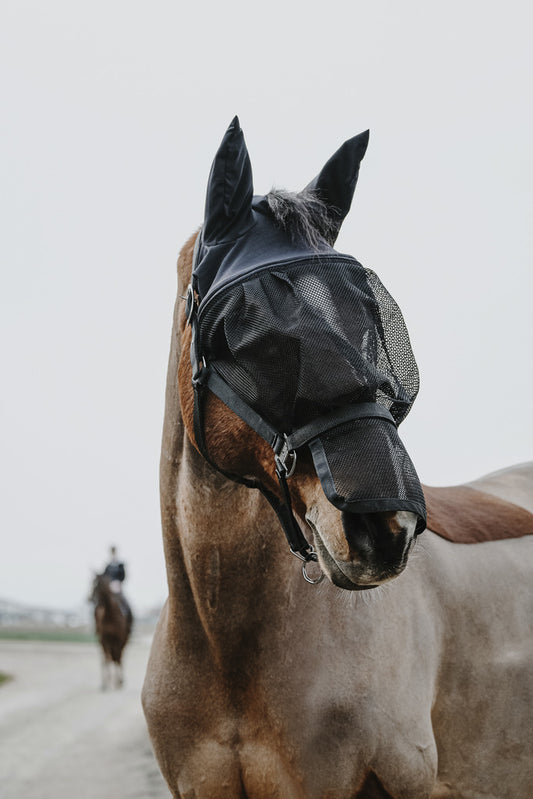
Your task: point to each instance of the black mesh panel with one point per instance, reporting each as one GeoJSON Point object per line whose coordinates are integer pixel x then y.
{"type": "Point", "coordinates": [364, 462]}
{"type": "Point", "coordinates": [297, 340]}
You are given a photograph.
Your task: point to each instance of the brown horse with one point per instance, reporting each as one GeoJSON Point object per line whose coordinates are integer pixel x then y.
{"type": "Point", "coordinates": [262, 685]}
{"type": "Point", "coordinates": [113, 622]}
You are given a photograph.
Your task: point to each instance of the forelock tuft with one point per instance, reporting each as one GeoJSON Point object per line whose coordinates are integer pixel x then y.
{"type": "Point", "coordinates": [303, 215]}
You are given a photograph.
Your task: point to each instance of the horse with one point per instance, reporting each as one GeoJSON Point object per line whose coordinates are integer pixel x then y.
{"type": "Point", "coordinates": [405, 674]}
{"type": "Point", "coordinates": [113, 623]}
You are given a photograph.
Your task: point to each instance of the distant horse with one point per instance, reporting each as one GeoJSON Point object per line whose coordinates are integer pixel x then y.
{"type": "Point", "coordinates": [261, 684]}
{"type": "Point", "coordinates": [113, 622]}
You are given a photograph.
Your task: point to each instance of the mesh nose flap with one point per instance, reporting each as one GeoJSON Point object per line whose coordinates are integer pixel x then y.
{"type": "Point", "coordinates": [364, 468]}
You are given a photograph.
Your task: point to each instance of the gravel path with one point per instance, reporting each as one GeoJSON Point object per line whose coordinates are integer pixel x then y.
{"type": "Point", "coordinates": [61, 737]}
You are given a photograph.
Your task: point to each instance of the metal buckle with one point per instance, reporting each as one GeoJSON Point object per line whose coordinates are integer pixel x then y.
{"type": "Point", "coordinates": [199, 376]}
{"type": "Point", "coordinates": [282, 456]}
{"type": "Point", "coordinates": [190, 303]}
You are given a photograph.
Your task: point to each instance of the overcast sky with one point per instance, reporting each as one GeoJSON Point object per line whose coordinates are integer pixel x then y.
{"type": "Point", "coordinates": [112, 113]}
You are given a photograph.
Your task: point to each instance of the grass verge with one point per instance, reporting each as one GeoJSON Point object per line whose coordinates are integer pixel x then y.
{"type": "Point", "coordinates": [75, 636]}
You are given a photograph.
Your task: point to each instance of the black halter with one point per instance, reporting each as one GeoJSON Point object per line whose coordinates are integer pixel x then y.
{"type": "Point", "coordinates": [301, 341]}
{"type": "Point", "coordinates": [284, 446]}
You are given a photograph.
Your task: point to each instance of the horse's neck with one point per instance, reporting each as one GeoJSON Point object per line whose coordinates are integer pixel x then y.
{"type": "Point", "coordinates": [225, 550]}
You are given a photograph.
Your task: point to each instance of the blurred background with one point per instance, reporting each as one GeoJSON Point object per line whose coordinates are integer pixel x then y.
{"type": "Point", "coordinates": [111, 114]}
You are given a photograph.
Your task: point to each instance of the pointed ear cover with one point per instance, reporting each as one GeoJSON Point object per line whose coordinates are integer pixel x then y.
{"type": "Point", "coordinates": [228, 205]}
{"type": "Point", "coordinates": [335, 184]}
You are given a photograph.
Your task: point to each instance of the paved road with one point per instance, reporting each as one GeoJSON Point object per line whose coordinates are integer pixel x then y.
{"type": "Point", "coordinates": [61, 737]}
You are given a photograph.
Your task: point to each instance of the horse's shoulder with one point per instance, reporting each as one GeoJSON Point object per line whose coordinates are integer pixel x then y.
{"type": "Point", "coordinates": [494, 507]}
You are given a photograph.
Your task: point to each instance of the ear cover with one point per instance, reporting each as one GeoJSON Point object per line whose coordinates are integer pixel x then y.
{"type": "Point", "coordinates": [335, 184]}
{"type": "Point", "coordinates": [228, 206]}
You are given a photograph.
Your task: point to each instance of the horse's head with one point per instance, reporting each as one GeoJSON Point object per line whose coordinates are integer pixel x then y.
{"type": "Point", "coordinates": [300, 368]}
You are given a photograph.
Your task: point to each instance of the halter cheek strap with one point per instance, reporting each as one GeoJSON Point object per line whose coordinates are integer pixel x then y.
{"type": "Point", "coordinates": [204, 378]}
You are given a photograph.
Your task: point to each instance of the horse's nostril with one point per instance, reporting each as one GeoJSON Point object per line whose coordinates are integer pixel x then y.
{"type": "Point", "coordinates": [373, 539]}
{"type": "Point", "coordinates": [359, 535]}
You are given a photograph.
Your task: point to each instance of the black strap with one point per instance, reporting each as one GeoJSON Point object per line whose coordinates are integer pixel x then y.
{"type": "Point", "coordinates": [199, 435]}
{"type": "Point", "coordinates": [205, 377]}
{"type": "Point", "coordinates": [303, 435]}
{"type": "Point", "coordinates": [296, 539]}
{"type": "Point", "coordinates": [219, 387]}
{"type": "Point", "coordinates": [298, 544]}
{"type": "Point", "coordinates": [360, 410]}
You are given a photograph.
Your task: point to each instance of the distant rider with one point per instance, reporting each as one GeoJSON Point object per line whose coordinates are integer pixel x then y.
{"type": "Point", "coordinates": [115, 571]}
{"type": "Point", "coordinates": [116, 574]}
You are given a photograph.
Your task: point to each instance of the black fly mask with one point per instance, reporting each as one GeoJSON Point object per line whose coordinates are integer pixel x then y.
{"type": "Point", "coordinates": [301, 341]}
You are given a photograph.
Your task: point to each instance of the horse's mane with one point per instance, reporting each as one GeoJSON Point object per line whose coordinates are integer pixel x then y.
{"type": "Point", "coordinates": [303, 215]}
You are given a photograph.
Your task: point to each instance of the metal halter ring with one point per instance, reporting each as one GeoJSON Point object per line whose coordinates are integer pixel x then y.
{"type": "Point", "coordinates": [310, 557]}
{"type": "Point", "coordinates": [310, 579]}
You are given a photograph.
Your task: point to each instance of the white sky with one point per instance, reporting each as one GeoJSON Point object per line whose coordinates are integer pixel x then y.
{"type": "Point", "coordinates": [112, 113]}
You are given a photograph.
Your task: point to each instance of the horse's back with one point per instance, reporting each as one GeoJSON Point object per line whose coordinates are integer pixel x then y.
{"type": "Point", "coordinates": [495, 507]}
{"type": "Point", "coordinates": [514, 484]}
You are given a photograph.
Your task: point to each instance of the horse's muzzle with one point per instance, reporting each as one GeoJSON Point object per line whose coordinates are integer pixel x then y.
{"type": "Point", "coordinates": [378, 549]}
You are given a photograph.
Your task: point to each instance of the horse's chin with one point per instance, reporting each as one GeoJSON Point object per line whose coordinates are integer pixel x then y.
{"type": "Point", "coordinates": [351, 576]}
